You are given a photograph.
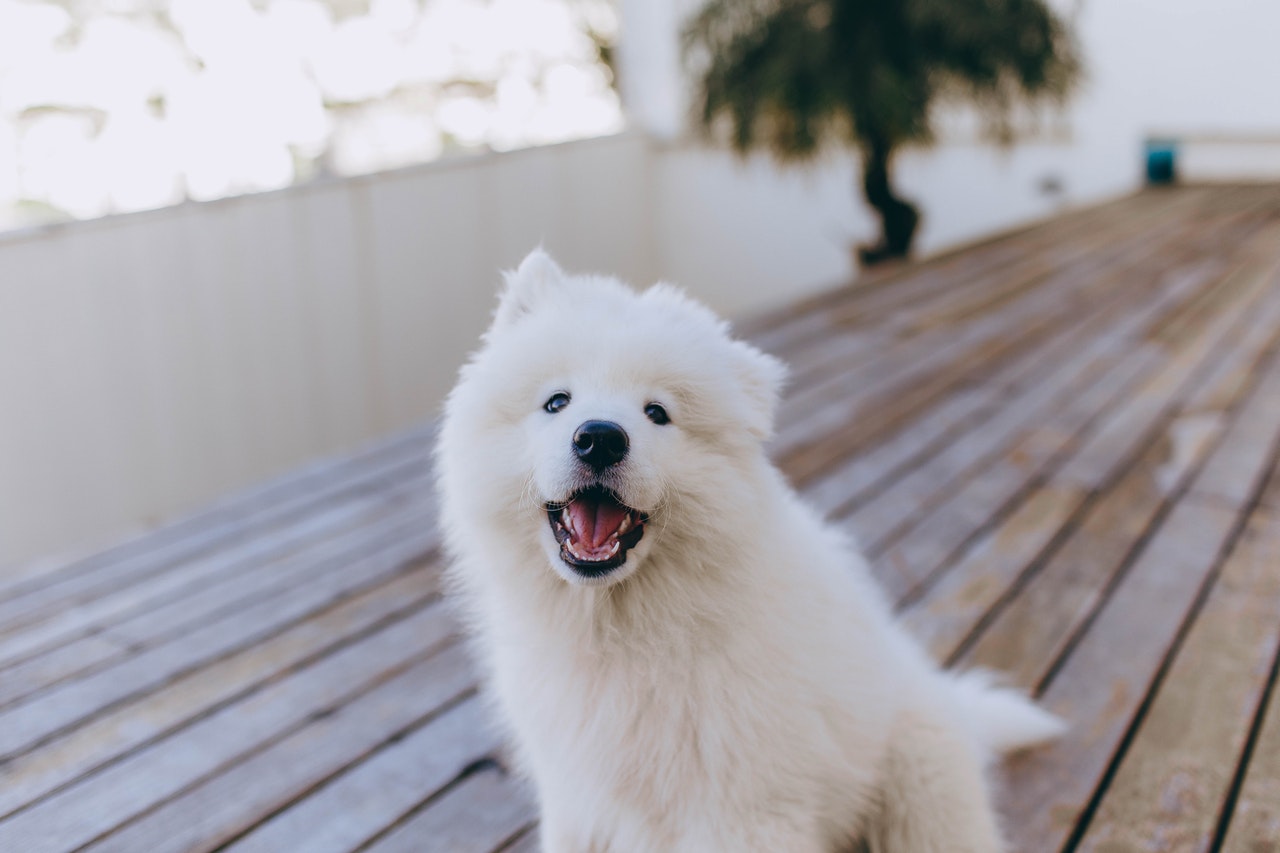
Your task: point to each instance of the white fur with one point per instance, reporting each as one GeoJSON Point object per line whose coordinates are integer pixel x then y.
{"type": "Point", "coordinates": [739, 683]}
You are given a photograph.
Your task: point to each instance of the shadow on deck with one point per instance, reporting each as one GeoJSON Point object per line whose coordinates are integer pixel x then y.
{"type": "Point", "coordinates": [1058, 448]}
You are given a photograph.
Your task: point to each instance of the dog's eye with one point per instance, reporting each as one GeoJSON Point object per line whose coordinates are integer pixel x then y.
{"type": "Point", "coordinates": [657, 414]}
{"type": "Point", "coordinates": [556, 402]}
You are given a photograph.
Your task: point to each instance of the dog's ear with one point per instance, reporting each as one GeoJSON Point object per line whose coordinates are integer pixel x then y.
{"type": "Point", "coordinates": [761, 377]}
{"type": "Point", "coordinates": [536, 275]}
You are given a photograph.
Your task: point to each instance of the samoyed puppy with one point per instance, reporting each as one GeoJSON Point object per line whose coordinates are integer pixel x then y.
{"type": "Point", "coordinates": [684, 656]}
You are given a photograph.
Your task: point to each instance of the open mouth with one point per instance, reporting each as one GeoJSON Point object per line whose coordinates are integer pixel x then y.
{"type": "Point", "coordinates": [595, 530]}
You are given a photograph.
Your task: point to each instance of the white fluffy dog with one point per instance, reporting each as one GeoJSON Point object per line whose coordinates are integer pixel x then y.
{"type": "Point", "coordinates": [685, 657]}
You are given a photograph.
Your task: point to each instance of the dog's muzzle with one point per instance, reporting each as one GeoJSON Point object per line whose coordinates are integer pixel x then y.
{"type": "Point", "coordinates": [595, 530]}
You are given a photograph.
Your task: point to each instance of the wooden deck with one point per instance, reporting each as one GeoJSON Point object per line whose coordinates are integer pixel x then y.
{"type": "Point", "coordinates": [1059, 448]}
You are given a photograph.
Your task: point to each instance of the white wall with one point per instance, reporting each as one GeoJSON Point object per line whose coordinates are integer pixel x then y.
{"type": "Point", "coordinates": [1185, 65]}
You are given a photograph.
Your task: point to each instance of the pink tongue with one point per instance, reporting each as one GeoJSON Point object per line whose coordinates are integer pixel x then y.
{"type": "Point", "coordinates": [595, 521]}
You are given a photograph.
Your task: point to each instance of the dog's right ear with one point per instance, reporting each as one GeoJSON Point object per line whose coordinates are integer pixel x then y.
{"type": "Point", "coordinates": [761, 377]}
{"type": "Point", "coordinates": [526, 285]}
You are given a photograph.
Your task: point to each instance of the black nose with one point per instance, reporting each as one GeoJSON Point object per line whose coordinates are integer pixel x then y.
{"type": "Point", "coordinates": [600, 444]}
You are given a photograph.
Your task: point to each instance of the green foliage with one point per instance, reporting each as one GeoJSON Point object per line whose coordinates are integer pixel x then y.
{"type": "Point", "coordinates": [791, 75]}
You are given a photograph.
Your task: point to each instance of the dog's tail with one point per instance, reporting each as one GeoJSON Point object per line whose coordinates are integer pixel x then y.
{"type": "Point", "coordinates": [1002, 718]}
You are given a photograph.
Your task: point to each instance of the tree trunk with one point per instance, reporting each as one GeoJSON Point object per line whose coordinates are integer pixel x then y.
{"type": "Point", "coordinates": [898, 217]}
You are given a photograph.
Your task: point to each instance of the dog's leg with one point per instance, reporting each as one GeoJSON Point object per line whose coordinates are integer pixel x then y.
{"type": "Point", "coordinates": [934, 797]}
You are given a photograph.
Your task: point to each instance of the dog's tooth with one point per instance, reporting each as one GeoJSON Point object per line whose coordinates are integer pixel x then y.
{"type": "Point", "coordinates": [624, 526]}
{"type": "Point", "coordinates": [613, 549]}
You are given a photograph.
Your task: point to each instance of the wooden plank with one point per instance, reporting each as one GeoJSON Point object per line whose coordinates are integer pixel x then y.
{"type": "Point", "coordinates": [176, 607]}
{"type": "Point", "coordinates": [390, 786]}
{"type": "Point", "coordinates": [856, 418]}
{"type": "Point", "coordinates": [1089, 464]}
{"type": "Point", "coordinates": [270, 579]}
{"type": "Point", "coordinates": [1132, 243]}
{"type": "Point", "coordinates": [142, 721]}
{"type": "Point", "coordinates": [1042, 617]}
{"type": "Point", "coordinates": [1031, 630]}
{"type": "Point", "coordinates": [1114, 225]}
{"type": "Point", "coordinates": [227, 518]}
{"type": "Point", "coordinates": [864, 334]}
{"type": "Point", "coordinates": [1051, 787]}
{"type": "Point", "coordinates": [192, 579]}
{"type": "Point", "coordinates": [30, 605]}
{"type": "Point", "coordinates": [1047, 403]}
{"type": "Point", "coordinates": [836, 414]}
{"type": "Point", "coordinates": [224, 806]}
{"type": "Point", "coordinates": [1175, 775]}
{"type": "Point", "coordinates": [67, 591]}
{"type": "Point", "coordinates": [866, 474]}
{"type": "Point", "coordinates": [95, 804]}
{"type": "Point", "coordinates": [816, 410]}
{"type": "Point", "coordinates": [1270, 500]}
{"type": "Point", "coordinates": [846, 482]}
{"type": "Point", "coordinates": [1235, 478]}
{"type": "Point", "coordinates": [83, 656]}
{"type": "Point", "coordinates": [1099, 688]}
{"type": "Point", "coordinates": [1119, 435]}
{"type": "Point", "coordinates": [917, 560]}
{"type": "Point", "coordinates": [264, 581]}
{"type": "Point", "coordinates": [527, 842]}
{"type": "Point", "coordinates": [1255, 824]}
{"type": "Point", "coordinates": [1049, 610]}
{"type": "Point", "coordinates": [25, 725]}
{"type": "Point", "coordinates": [1055, 406]}
{"type": "Point", "coordinates": [943, 532]}
{"type": "Point", "coordinates": [480, 815]}
{"type": "Point", "coordinates": [956, 604]}
{"type": "Point", "coordinates": [32, 573]}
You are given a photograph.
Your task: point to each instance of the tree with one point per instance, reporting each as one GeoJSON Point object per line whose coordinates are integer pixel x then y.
{"type": "Point", "coordinates": [794, 76]}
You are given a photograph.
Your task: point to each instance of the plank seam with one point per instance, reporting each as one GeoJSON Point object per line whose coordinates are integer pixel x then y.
{"type": "Point", "coordinates": [485, 762]}
{"type": "Point", "coordinates": [399, 568]}
{"type": "Point", "coordinates": [391, 740]}
{"type": "Point", "coordinates": [1182, 492]}
{"type": "Point", "coordinates": [368, 514]}
{"type": "Point", "coordinates": [1255, 728]}
{"type": "Point", "coordinates": [1166, 663]}
{"type": "Point", "coordinates": [228, 508]}
{"type": "Point", "coordinates": [414, 607]}
{"type": "Point", "coordinates": [1055, 462]}
{"type": "Point", "coordinates": [384, 677]}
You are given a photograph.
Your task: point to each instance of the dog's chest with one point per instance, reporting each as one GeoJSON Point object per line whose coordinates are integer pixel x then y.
{"type": "Point", "coordinates": [645, 723]}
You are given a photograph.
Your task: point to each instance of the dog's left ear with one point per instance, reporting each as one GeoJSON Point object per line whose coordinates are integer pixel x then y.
{"type": "Point", "coordinates": [761, 377]}
{"type": "Point", "coordinates": [526, 285]}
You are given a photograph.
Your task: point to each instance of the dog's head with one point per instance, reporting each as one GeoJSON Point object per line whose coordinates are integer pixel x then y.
{"type": "Point", "coordinates": [597, 423]}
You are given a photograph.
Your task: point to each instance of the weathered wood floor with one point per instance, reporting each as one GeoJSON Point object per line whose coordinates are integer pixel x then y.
{"type": "Point", "coordinates": [1059, 448]}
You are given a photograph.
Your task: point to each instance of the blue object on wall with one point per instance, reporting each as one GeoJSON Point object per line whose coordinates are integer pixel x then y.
{"type": "Point", "coordinates": [1162, 155]}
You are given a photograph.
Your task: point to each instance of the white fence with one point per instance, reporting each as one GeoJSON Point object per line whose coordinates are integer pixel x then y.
{"type": "Point", "coordinates": [150, 362]}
